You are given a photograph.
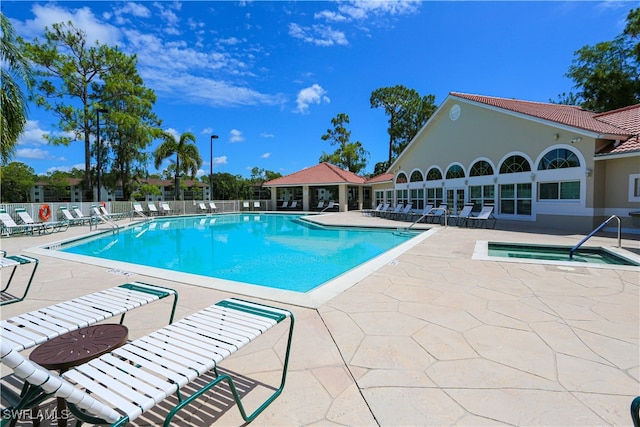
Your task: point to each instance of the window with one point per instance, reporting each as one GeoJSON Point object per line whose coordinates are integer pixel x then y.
{"type": "Point", "coordinates": [515, 199]}
{"type": "Point", "coordinates": [515, 164]}
{"type": "Point", "coordinates": [402, 196]}
{"type": "Point", "coordinates": [434, 196]}
{"type": "Point", "coordinates": [558, 159]}
{"type": "Point", "coordinates": [481, 195]}
{"type": "Point", "coordinates": [434, 174]}
{"type": "Point", "coordinates": [401, 179]}
{"type": "Point", "coordinates": [566, 190]}
{"type": "Point", "coordinates": [455, 171]}
{"type": "Point", "coordinates": [379, 197]}
{"type": "Point", "coordinates": [417, 198]}
{"type": "Point", "coordinates": [416, 176]}
{"type": "Point", "coordinates": [481, 168]}
{"type": "Point", "coordinates": [634, 187]}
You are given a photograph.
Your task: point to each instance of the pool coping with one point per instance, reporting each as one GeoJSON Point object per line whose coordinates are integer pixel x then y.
{"type": "Point", "coordinates": [481, 252]}
{"type": "Point", "coordinates": [311, 299]}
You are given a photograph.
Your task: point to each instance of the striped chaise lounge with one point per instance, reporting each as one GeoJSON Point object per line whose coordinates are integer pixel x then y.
{"type": "Point", "coordinates": [13, 262]}
{"type": "Point", "coordinates": [118, 387]}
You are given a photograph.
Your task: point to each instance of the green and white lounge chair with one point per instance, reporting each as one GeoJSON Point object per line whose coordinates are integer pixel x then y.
{"type": "Point", "coordinates": [13, 262]}
{"type": "Point", "coordinates": [47, 227]}
{"type": "Point", "coordinates": [118, 387]}
{"type": "Point", "coordinates": [10, 227]}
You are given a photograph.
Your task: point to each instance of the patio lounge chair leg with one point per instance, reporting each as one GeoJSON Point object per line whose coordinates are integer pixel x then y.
{"type": "Point", "coordinates": [8, 298]}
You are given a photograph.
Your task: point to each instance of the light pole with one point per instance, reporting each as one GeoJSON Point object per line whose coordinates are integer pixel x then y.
{"type": "Point", "coordinates": [99, 148]}
{"type": "Point", "coordinates": [211, 167]}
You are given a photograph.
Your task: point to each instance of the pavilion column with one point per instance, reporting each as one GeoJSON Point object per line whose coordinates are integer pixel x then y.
{"type": "Point", "coordinates": [305, 198]}
{"type": "Point", "coordinates": [343, 199]}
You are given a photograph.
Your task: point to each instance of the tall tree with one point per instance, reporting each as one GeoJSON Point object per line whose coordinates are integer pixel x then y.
{"type": "Point", "coordinates": [131, 126]}
{"type": "Point", "coordinates": [187, 159]}
{"type": "Point", "coordinates": [70, 69]}
{"type": "Point", "coordinates": [407, 112]}
{"type": "Point", "coordinates": [606, 75]}
{"type": "Point", "coordinates": [349, 155]}
{"type": "Point", "coordinates": [13, 102]}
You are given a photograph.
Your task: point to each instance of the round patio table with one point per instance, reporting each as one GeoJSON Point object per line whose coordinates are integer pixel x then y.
{"type": "Point", "coordinates": [77, 347]}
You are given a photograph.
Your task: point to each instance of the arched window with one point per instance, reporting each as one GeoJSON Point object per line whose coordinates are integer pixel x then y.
{"type": "Point", "coordinates": [401, 178]}
{"type": "Point", "coordinates": [434, 174]}
{"type": "Point", "coordinates": [559, 158]}
{"type": "Point", "coordinates": [416, 176]}
{"type": "Point", "coordinates": [514, 164]}
{"type": "Point", "coordinates": [455, 171]}
{"type": "Point", "coordinates": [481, 168]}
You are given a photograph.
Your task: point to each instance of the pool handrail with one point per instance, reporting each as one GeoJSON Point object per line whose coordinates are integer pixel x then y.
{"type": "Point", "coordinates": [600, 227]}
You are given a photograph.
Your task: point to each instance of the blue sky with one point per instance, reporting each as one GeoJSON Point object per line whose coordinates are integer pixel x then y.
{"type": "Point", "coordinates": [268, 76]}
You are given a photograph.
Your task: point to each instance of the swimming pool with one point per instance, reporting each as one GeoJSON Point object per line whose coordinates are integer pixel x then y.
{"type": "Point", "coordinates": [272, 250]}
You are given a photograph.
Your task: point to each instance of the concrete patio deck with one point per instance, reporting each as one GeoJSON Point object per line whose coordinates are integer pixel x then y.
{"type": "Point", "coordinates": [432, 338]}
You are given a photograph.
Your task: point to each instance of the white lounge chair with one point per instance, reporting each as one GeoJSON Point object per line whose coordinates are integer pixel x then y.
{"type": "Point", "coordinates": [119, 386]}
{"type": "Point", "coordinates": [41, 227]}
{"type": "Point", "coordinates": [105, 212]}
{"type": "Point", "coordinates": [416, 216]}
{"type": "Point", "coordinates": [13, 262]}
{"type": "Point", "coordinates": [212, 207]}
{"type": "Point", "coordinates": [139, 210]}
{"type": "Point", "coordinates": [284, 205]}
{"type": "Point", "coordinates": [403, 213]}
{"type": "Point", "coordinates": [165, 208]}
{"type": "Point", "coordinates": [202, 207]}
{"type": "Point", "coordinates": [245, 205]}
{"type": "Point", "coordinates": [396, 210]}
{"type": "Point", "coordinates": [256, 205]}
{"type": "Point", "coordinates": [484, 218]}
{"type": "Point", "coordinates": [462, 218]}
{"type": "Point", "coordinates": [79, 215]}
{"type": "Point", "coordinates": [152, 208]}
{"type": "Point", "coordinates": [371, 212]}
{"type": "Point", "coordinates": [320, 205]}
{"type": "Point", "coordinates": [331, 206]}
{"type": "Point", "coordinates": [382, 211]}
{"type": "Point", "coordinates": [437, 214]}
{"type": "Point", "coordinates": [30, 329]}
{"type": "Point", "coordinates": [293, 205]}
{"type": "Point", "coordinates": [67, 216]}
{"type": "Point", "coordinates": [9, 226]}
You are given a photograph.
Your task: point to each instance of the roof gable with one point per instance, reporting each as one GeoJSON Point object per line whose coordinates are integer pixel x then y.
{"type": "Point", "coordinates": [323, 173]}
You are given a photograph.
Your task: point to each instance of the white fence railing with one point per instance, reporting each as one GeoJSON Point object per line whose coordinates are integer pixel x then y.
{"type": "Point", "coordinates": [178, 207]}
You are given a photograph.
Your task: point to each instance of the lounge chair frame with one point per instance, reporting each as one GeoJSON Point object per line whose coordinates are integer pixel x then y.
{"type": "Point", "coordinates": [144, 372]}
{"type": "Point", "coordinates": [15, 261]}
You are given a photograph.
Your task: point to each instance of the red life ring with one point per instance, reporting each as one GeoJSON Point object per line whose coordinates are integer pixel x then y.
{"type": "Point", "coordinates": [104, 205]}
{"type": "Point", "coordinates": [45, 212]}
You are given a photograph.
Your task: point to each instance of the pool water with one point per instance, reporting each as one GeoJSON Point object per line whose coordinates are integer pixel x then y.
{"type": "Point", "coordinates": [278, 251]}
{"type": "Point", "coordinates": [557, 253]}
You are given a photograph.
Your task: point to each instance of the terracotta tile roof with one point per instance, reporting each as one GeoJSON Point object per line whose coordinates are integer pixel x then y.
{"type": "Point", "coordinates": [323, 173]}
{"type": "Point", "coordinates": [380, 178]}
{"type": "Point", "coordinates": [564, 114]}
{"type": "Point", "coordinates": [627, 118]}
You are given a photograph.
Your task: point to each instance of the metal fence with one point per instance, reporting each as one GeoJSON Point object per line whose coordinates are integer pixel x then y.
{"type": "Point", "coordinates": [178, 207]}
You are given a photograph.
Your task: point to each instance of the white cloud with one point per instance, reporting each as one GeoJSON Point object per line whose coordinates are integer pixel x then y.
{"type": "Point", "coordinates": [83, 18]}
{"type": "Point", "coordinates": [363, 9]}
{"type": "Point", "coordinates": [33, 134]}
{"type": "Point", "coordinates": [217, 161]}
{"type": "Point", "coordinates": [267, 135]}
{"type": "Point", "coordinates": [265, 156]}
{"type": "Point", "coordinates": [236, 136]}
{"type": "Point", "coordinates": [311, 95]}
{"type": "Point", "coordinates": [33, 154]}
{"type": "Point", "coordinates": [320, 35]}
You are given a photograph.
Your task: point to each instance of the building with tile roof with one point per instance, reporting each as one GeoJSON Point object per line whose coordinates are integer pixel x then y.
{"type": "Point", "coordinates": [559, 166]}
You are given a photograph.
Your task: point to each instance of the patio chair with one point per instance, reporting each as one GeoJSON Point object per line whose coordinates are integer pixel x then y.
{"type": "Point", "coordinates": [9, 226]}
{"type": "Point", "coordinates": [416, 216]}
{"type": "Point", "coordinates": [152, 208]}
{"type": "Point", "coordinates": [438, 214]}
{"type": "Point", "coordinates": [330, 207]}
{"type": "Point", "coordinates": [30, 329]}
{"type": "Point", "coordinates": [67, 216]}
{"type": "Point", "coordinates": [80, 215]}
{"type": "Point", "coordinates": [212, 207]}
{"type": "Point", "coordinates": [462, 218]}
{"type": "Point", "coordinates": [371, 212]}
{"type": "Point", "coordinates": [404, 213]}
{"type": "Point", "coordinates": [293, 205]}
{"type": "Point", "coordinates": [13, 262]}
{"type": "Point", "coordinates": [382, 211]}
{"type": "Point", "coordinates": [245, 205]}
{"type": "Point", "coordinates": [139, 210]}
{"type": "Point", "coordinates": [202, 207]}
{"type": "Point", "coordinates": [41, 227]}
{"type": "Point", "coordinates": [284, 204]}
{"type": "Point", "coordinates": [320, 205]}
{"type": "Point", "coordinates": [165, 208]}
{"type": "Point", "coordinates": [391, 213]}
{"type": "Point", "coordinates": [120, 386]}
{"type": "Point", "coordinates": [105, 212]}
{"type": "Point", "coordinates": [256, 206]}
{"type": "Point", "coordinates": [484, 218]}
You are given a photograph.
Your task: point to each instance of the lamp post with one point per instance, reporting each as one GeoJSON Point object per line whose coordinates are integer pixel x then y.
{"type": "Point", "coordinates": [211, 167]}
{"type": "Point", "coordinates": [99, 148]}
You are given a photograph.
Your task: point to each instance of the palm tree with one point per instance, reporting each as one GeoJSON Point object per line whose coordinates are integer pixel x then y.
{"type": "Point", "coordinates": [13, 104]}
{"type": "Point", "coordinates": [188, 158]}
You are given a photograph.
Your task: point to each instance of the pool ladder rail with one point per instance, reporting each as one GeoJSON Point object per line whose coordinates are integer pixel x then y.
{"type": "Point", "coordinates": [115, 228]}
{"type": "Point", "coordinates": [600, 227]}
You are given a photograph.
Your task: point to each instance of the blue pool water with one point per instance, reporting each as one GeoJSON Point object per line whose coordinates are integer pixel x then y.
{"type": "Point", "coordinates": [557, 253]}
{"type": "Point", "coordinates": [278, 251]}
